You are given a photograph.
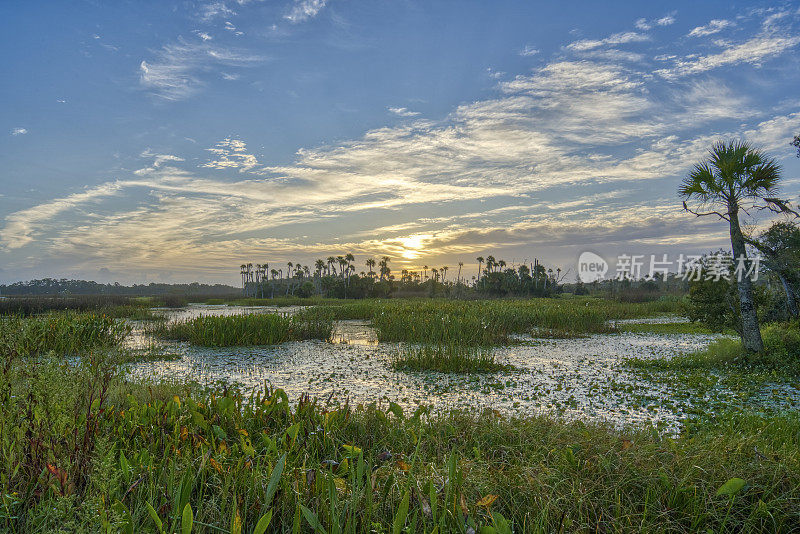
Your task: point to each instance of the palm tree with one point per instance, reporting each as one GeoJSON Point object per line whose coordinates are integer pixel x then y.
{"type": "Point", "coordinates": [370, 265]}
{"type": "Point", "coordinates": [384, 267]}
{"type": "Point", "coordinates": [319, 265]}
{"type": "Point", "coordinates": [480, 264]}
{"type": "Point", "coordinates": [458, 278]}
{"type": "Point", "coordinates": [733, 177]}
{"type": "Point", "coordinates": [424, 272]}
{"type": "Point", "coordinates": [444, 273]}
{"type": "Point", "coordinates": [490, 263]}
{"type": "Point", "coordinates": [331, 268]}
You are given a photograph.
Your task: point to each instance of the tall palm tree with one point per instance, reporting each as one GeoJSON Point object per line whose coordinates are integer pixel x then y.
{"type": "Point", "coordinates": [458, 278]}
{"type": "Point", "coordinates": [729, 180]}
{"type": "Point", "coordinates": [384, 267]}
{"type": "Point", "coordinates": [371, 265]}
{"type": "Point", "coordinates": [424, 272]}
{"type": "Point", "coordinates": [444, 273]}
{"type": "Point", "coordinates": [331, 263]}
{"type": "Point", "coordinates": [490, 263]}
{"type": "Point", "coordinates": [480, 264]}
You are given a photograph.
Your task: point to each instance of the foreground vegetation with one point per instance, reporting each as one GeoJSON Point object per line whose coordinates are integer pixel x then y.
{"type": "Point", "coordinates": [109, 455]}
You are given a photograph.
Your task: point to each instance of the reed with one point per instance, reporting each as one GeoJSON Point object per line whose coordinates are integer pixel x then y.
{"type": "Point", "coordinates": [64, 333]}
{"type": "Point", "coordinates": [247, 329]}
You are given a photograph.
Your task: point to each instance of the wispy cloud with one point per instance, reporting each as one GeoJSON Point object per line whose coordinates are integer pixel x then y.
{"type": "Point", "coordinates": [615, 39]}
{"type": "Point", "coordinates": [213, 10]}
{"type": "Point", "coordinates": [529, 51]}
{"type": "Point", "coordinates": [403, 112]}
{"type": "Point", "coordinates": [644, 24]}
{"type": "Point", "coordinates": [714, 26]}
{"type": "Point", "coordinates": [175, 71]}
{"type": "Point", "coordinates": [231, 154]}
{"type": "Point", "coordinates": [19, 131]}
{"type": "Point", "coordinates": [303, 10]}
{"type": "Point", "coordinates": [754, 51]}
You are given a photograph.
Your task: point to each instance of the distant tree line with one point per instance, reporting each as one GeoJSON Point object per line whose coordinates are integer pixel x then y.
{"type": "Point", "coordinates": [338, 277]}
{"type": "Point", "coordinates": [63, 286]}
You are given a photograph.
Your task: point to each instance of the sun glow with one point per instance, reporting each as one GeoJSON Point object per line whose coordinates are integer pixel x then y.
{"type": "Point", "coordinates": [413, 246]}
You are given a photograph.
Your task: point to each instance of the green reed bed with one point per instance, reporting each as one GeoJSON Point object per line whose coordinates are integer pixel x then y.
{"type": "Point", "coordinates": [65, 333]}
{"type": "Point", "coordinates": [125, 457]}
{"type": "Point", "coordinates": [448, 359]}
{"type": "Point", "coordinates": [247, 329]}
{"type": "Point", "coordinates": [490, 322]}
{"type": "Point", "coordinates": [482, 323]}
{"type": "Point", "coordinates": [115, 306]}
{"type": "Point", "coordinates": [781, 355]}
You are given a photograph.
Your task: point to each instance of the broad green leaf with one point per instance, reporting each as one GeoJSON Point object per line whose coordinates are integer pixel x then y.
{"type": "Point", "coordinates": [396, 409]}
{"type": "Point", "coordinates": [400, 515]}
{"type": "Point", "coordinates": [312, 519]}
{"type": "Point", "coordinates": [263, 523]}
{"type": "Point", "coordinates": [274, 479]}
{"type": "Point", "coordinates": [155, 518]}
{"type": "Point", "coordinates": [187, 520]}
{"type": "Point", "coordinates": [732, 487]}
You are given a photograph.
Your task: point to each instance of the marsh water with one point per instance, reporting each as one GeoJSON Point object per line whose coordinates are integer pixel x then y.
{"type": "Point", "coordinates": [584, 378]}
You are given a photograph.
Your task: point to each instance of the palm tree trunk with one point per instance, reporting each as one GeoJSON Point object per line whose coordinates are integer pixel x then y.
{"type": "Point", "coordinates": [751, 333]}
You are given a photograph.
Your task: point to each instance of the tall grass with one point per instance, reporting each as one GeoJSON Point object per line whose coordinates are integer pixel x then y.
{"type": "Point", "coordinates": [65, 333]}
{"type": "Point", "coordinates": [781, 354]}
{"type": "Point", "coordinates": [247, 329]}
{"type": "Point", "coordinates": [36, 305]}
{"type": "Point", "coordinates": [218, 462]}
{"type": "Point", "coordinates": [489, 322]}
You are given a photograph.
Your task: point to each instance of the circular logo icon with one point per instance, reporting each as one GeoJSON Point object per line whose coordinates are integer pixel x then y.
{"type": "Point", "coordinates": [591, 267]}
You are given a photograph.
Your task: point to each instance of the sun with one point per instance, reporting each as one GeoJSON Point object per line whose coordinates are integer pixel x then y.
{"type": "Point", "coordinates": [413, 246]}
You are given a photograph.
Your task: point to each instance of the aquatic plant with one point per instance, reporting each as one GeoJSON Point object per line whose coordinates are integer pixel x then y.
{"type": "Point", "coordinates": [65, 333]}
{"type": "Point", "coordinates": [247, 329]}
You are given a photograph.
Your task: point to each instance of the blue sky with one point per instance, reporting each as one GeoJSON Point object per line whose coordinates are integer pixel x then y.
{"type": "Point", "coordinates": [149, 141]}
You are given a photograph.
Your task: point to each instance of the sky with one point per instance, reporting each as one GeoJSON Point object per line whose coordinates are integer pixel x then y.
{"type": "Point", "coordinates": [173, 141]}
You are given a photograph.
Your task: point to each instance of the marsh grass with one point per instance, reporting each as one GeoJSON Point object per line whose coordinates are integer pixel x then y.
{"type": "Point", "coordinates": [247, 329]}
{"type": "Point", "coordinates": [113, 306]}
{"type": "Point", "coordinates": [486, 323]}
{"type": "Point", "coordinates": [449, 359]}
{"type": "Point", "coordinates": [64, 333]}
{"type": "Point", "coordinates": [781, 354]}
{"type": "Point", "coordinates": [158, 450]}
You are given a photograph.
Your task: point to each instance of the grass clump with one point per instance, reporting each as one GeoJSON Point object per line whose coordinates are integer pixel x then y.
{"type": "Point", "coordinates": [65, 333]}
{"type": "Point", "coordinates": [247, 329]}
{"type": "Point", "coordinates": [449, 359]}
{"type": "Point", "coordinates": [781, 354]}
